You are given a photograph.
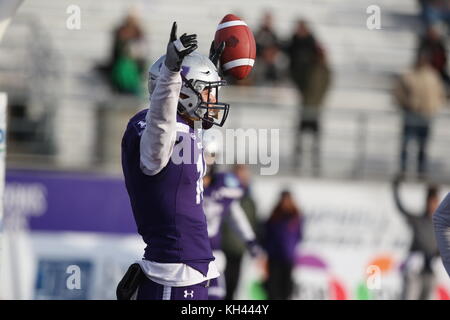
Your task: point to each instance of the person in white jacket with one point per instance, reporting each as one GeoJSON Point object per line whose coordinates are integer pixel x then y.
{"type": "Point", "coordinates": [441, 221]}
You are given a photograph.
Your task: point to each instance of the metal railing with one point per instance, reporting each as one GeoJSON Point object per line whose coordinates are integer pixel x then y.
{"type": "Point", "coordinates": [354, 143]}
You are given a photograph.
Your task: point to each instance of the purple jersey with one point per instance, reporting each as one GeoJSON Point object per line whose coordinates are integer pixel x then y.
{"type": "Point", "coordinates": [218, 196]}
{"type": "Point", "coordinates": [168, 206]}
{"type": "Point", "coordinates": [282, 237]}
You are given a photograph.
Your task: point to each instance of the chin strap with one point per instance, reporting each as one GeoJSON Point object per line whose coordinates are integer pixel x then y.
{"type": "Point", "coordinates": [205, 124]}
{"type": "Point", "coordinates": [180, 109]}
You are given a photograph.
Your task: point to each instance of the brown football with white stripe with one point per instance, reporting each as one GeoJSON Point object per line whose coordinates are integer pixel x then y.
{"type": "Point", "coordinates": [239, 54]}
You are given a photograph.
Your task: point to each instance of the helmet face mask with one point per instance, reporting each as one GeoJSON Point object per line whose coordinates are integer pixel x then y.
{"type": "Point", "coordinates": [210, 111]}
{"type": "Point", "coordinates": [199, 94]}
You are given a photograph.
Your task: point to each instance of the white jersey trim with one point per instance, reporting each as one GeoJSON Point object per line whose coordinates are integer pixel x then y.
{"type": "Point", "coordinates": [221, 260]}
{"type": "Point", "coordinates": [176, 274]}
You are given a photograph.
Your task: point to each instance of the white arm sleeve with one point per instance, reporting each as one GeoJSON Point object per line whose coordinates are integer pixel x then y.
{"type": "Point", "coordinates": [239, 222]}
{"type": "Point", "coordinates": [159, 136]}
{"type": "Point", "coordinates": [441, 221]}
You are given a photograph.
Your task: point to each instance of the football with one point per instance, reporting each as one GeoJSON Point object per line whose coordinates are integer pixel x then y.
{"type": "Point", "coordinates": [239, 54]}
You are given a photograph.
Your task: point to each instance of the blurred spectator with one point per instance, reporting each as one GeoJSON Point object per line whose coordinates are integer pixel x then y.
{"type": "Point", "coordinates": [420, 94]}
{"type": "Point", "coordinates": [419, 284]}
{"type": "Point", "coordinates": [233, 248]}
{"type": "Point", "coordinates": [435, 11]}
{"type": "Point", "coordinates": [302, 52]}
{"type": "Point", "coordinates": [265, 36]}
{"type": "Point", "coordinates": [267, 66]}
{"type": "Point", "coordinates": [127, 62]}
{"type": "Point", "coordinates": [283, 231]}
{"type": "Point", "coordinates": [433, 43]}
{"type": "Point", "coordinates": [312, 76]}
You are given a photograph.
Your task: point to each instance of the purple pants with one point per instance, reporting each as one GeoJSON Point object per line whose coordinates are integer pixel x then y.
{"type": "Point", "coordinates": [217, 289]}
{"type": "Point", "coordinates": [150, 290]}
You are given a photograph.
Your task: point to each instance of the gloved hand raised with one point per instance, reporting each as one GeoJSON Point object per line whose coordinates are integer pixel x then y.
{"type": "Point", "coordinates": [177, 49]}
{"type": "Point", "coordinates": [215, 53]}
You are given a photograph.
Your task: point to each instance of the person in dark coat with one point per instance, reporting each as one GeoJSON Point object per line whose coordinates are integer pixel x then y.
{"type": "Point", "coordinates": [433, 44]}
{"type": "Point", "coordinates": [283, 231]}
{"type": "Point", "coordinates": [311, 75]}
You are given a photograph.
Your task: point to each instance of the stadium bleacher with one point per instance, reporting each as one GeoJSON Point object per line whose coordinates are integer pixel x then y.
{"type": "Point", "coordinates": [358, 114]}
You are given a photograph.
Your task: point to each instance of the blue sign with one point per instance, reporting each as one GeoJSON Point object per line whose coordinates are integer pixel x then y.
{"type": "Point", "coordinates": [59, 279]}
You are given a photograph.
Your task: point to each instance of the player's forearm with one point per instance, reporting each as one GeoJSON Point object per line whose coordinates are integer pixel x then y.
{"type": "Point", "coordinates": [240, 223]}
{"type": "Point", "coordinates": [441, 221]}
{"type": "Point", "coordinates": [159, 136]}
{"type": "Point", "coordinates": [398, 201]}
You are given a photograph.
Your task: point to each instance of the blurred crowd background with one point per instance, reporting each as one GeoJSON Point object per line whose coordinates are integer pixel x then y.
{"type": "Point", "coordinates": [364, 143]}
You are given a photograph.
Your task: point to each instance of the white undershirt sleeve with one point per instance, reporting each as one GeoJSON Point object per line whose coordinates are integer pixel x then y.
{"type": "Point", "coordinates": [240, 223]}
{"type": "Point", "coordinates": [159, 136]}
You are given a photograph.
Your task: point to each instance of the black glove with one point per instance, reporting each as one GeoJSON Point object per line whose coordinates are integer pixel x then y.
{"type": "Point", "coordinates": [215, 53]}
{"type": "Point", "coordinates": [177, 49]}
{"type": "Point", "coordinates": [130, 282]}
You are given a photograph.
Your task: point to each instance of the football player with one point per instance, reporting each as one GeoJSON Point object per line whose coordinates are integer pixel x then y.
{"type": "Point", "coordinates": [166, 193]}
{"type": "Point", "coordinates": [441, 221]}
{"type": "Point", "coordinates": [221, 201]}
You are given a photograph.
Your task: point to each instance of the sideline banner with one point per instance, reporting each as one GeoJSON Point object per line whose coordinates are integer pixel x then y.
{"type": "Point", "coordinates": [75, 236]}
{"type": "Point", "coordinates": [68, 235]}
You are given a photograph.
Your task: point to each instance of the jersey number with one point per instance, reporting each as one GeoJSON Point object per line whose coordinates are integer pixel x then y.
{"type": "Point", "coordinates": [200, 170]}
